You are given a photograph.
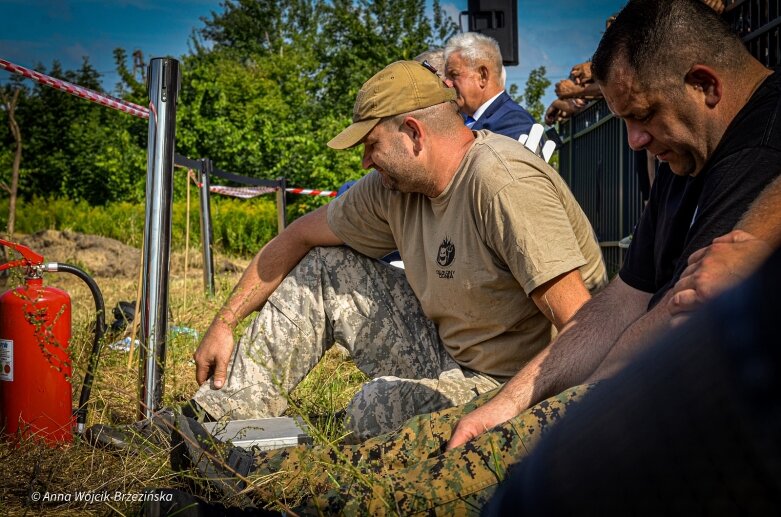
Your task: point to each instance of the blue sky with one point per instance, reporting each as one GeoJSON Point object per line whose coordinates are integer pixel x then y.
{"type": "Point", "coordinates": [554, 33]}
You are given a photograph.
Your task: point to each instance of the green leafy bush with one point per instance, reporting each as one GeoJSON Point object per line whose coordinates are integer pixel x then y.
{"type": "Point", "coordinates": [240, 227]}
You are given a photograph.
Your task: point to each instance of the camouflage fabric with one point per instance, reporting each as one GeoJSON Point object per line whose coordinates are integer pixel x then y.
{"type": "Point", "coordinates": [336, 295]}
{"type": "Point", "coordinates": [405, 472]}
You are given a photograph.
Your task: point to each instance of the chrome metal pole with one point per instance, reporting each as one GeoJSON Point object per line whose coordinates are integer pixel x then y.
{"type": "Point", "coordinates": [163, 84]}
{"type": "Point", "coordinates": [207, 236]}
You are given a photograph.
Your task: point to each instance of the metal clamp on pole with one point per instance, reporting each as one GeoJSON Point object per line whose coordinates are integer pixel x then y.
{"type": "Point", "coordinates": [163, 85]}
{"type": "Point", "coordinates": [207, 237]}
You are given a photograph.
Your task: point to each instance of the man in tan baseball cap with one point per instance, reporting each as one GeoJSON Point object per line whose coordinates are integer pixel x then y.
{"type": "Point", "coordinates": [401, 87]}
{"type": "Point", "coordinates": [496, 252]}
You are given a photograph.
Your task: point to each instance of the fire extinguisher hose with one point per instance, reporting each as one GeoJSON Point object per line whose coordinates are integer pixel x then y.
{"type": "Point", "coordinates": [100, 330]}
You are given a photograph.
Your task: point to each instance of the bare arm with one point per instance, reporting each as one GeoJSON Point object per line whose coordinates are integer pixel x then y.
{"type": "Point", "coordinates": [591, 90]}
{"type": "Point", "coordinates": [560, 298]}
{"type": "Point", "coordinates": [569, 360]}
{"type": "Point", "coordinates": [261, 278]}
{"type": "Point", "coordinates": [567, 89]}
{"type": "Point", "coordinates": [634, 340]}
{"type": "Point", "coordinates": [763, 217]}
{"type": "Point", "coordinates": [710, 271]}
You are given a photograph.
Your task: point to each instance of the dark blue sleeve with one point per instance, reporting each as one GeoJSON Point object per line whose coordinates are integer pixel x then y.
{"type": "Point", "coordinates": [513, 123]}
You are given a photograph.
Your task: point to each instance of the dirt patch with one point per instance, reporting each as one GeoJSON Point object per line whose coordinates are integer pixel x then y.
{"type": "Point", "coordinates": [100, 256]}
{"type": "Point", "coordinates": [104, 257]}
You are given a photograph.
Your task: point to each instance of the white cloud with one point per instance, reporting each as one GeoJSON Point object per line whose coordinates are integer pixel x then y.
{"type": "Point", "coordinates": [451, 10]}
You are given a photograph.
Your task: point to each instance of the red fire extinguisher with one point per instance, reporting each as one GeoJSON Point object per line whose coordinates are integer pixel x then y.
{"type": "Point", "coordinates": [35, 367]}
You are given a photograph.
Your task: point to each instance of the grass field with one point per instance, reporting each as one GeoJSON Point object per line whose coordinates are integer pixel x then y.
{"type": "Point", "coordinates": [70, 472]}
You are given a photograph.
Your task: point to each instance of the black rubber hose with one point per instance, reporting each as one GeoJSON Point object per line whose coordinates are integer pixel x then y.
{"type": "Point", "coordinates": [100, 330]}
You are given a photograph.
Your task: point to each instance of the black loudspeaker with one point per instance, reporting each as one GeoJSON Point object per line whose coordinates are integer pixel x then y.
{"type": "Point", "coordinates": [498, 19]}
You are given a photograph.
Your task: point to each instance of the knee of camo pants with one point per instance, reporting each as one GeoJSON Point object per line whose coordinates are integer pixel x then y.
{"type": "Point", "coordinates": [459, 481]}
{"type": "Point", "coordinates": [384, 404]}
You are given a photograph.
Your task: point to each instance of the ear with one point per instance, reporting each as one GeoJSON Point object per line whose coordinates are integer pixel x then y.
{"type": "Point", "coordinates": [706, 80]}
{"type": "Point", "coordinates": [416, 132]}
{"type": "Point", "coordinates": [484, 74]}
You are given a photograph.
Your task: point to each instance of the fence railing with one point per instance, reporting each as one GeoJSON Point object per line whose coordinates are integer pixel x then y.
{"type": "Point", "coordinates": [758, 23]}
{"type": "Point", "coordinates": [605, 176]}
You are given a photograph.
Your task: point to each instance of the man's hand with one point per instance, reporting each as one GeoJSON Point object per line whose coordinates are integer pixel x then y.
{"type": "Point", "coordinates": [497, 411]}
{"type": "Point", "coordinates": [562, 109]}
{"type": "Point", "coordinates": [566, 89]}
{"type": "Point", "coordinates": [713, 269]}
{"type": "Point", "coordinates": [581, 73]}
{"type": "Point", "coordinates": [213, 354]}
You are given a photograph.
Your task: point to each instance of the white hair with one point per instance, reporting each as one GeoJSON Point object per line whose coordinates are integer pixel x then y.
{"type": "Point", "coordinates": [435, 58]}
{"type": "Point", "coordinates": [475, 48]}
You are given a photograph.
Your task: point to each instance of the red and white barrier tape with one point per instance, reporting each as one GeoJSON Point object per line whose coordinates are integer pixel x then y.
{"type": "Point", "coordinates": [140, 111]}
{"type": "Point", "coordinates": [250, 192]}
{"type": "Point", "coordinates": [311, 192]}
{"type": "Point", "coordinates": [78, 91]}
{"type": "Point", "coordinates": [241, 192]}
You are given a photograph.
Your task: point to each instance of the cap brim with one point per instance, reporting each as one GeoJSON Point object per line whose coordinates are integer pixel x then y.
{"type": "Point", "coordinates": [353, 134]}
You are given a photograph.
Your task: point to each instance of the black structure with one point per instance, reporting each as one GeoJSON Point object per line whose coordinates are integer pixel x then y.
{"type": "Point", "coordinates": [609, 180]}
{"type": "Point", "coordinates": [758, 22]}
{"type": "Point", "coordinates": [499, 20]}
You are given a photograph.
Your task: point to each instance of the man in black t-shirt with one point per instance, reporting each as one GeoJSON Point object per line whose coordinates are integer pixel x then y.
{"type": "Point", "coordinates": [691, 94]}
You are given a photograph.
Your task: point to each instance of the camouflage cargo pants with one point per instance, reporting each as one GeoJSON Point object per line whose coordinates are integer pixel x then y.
{"type": "Point", "coordinates": [407, 471]}
{"type": "Point", "coordinates": [336, 295]}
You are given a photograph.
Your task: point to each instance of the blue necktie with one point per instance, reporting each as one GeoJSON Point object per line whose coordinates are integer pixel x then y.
{"type": "Point", "coordinates": [469, 121]}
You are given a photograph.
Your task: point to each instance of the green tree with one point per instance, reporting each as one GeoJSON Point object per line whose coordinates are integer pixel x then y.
{"type": "Point", "coordinates": [536, 85]}
{"type": "Point", "coordinates": [269, 83]}
{"type": "Point", "coordinates": [76, 148]}
{"type": "Point", "coordinates": [248, 28]}
{"type": "Point", "coordinates": [265, 86]}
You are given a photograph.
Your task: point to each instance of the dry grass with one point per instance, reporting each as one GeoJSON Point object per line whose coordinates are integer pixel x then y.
{"type": "Point", "coordinates": [27, 467]}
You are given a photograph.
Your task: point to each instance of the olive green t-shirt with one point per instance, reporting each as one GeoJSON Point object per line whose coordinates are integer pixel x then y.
{"type": "Point", "coordinates": [505, 224]}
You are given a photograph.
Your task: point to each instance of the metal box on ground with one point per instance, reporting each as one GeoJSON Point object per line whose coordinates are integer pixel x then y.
{"type": "Point", "coordinates": [264, 433]}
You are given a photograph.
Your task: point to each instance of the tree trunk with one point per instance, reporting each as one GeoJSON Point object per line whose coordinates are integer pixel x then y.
{"type": "Point", "coordinates": [10, 106]}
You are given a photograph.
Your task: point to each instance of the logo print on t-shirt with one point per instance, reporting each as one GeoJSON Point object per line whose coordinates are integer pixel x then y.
{"type": "Point", "coordinates": [447, 253]}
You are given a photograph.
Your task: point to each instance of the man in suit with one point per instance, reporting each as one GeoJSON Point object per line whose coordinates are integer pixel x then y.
{"type": "Point", "coordinates": [473, 66]}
